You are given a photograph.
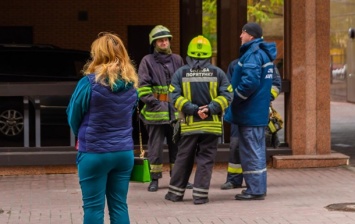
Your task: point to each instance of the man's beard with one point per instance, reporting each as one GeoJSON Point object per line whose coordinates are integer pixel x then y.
{"type": "Point", "coordinates": [166, 50]}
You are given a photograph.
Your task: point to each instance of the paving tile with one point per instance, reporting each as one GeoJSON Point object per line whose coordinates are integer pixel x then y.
{"type": "Point", "coordinates": [294, 196]}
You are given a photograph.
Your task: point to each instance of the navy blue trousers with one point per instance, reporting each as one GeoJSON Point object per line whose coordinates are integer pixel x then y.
{"type": "Point", "coordinates": [252, 149]}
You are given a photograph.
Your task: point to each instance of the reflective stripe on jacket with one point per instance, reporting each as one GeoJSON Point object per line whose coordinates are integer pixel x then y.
{"type": "Point", "coordinates": [252, 81]}
{"type": "Point", "coordinates": [193, 88]}
{"type": "Point", "coordinates": [154, 79]}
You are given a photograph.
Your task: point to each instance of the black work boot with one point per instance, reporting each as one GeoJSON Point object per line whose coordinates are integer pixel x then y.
{"type": "Point", "coordinates": [200, 201]}
{"type": "Point", "coordinates": [153, 186]}
{"type": "Point", "coordinates": [173, 197]}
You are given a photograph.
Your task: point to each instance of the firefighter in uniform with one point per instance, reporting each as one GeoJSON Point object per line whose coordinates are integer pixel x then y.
{"type": "Point", "coordinates": [201, 92]}
{"type": "Point", "coordinates": [234, 170]}
{"type": "Point", "coordinates": [155, 72]}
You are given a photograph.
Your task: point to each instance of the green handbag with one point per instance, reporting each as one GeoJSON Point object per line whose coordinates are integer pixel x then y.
{"type": "Point", "coordinates": [141, 170]}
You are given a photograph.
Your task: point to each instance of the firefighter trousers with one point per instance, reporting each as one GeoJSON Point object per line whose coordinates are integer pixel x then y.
{"type": "Point", "coordinates": [157, 135]}
{"type": "Point", "coordinates": [201, 149]}
{"type": "Point", "coordinates": [235, 172]}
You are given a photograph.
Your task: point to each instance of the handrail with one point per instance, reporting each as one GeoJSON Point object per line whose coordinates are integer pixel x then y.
{"type": "Point", "coordinates": [37, 88]}
{"type": "Point", "coordinates": [34, 90]}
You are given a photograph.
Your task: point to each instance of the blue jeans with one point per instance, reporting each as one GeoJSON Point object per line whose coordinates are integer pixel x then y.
{"type": "Point", "coordinates": [105, 175]}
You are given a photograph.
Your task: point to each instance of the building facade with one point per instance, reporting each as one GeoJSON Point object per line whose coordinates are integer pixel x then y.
{"type": "Point", "coordinates": [75, 24]}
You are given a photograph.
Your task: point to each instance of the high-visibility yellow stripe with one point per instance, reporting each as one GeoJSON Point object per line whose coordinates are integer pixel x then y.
{"type": "Point", "coordinates": [235, 168]}
{"type": "Point", "coordinates": [146, 90]}
{"type": "Point", "coordinates": [274, 91]}
{"type": "Point", "coordinates": [192, 126]}
{"type": "Point", "coordinates": [179, 103]}
{"type": "Point", "coordinates": [272, 127]}
{"type": "Point", "coordinates": [230, 88]}
{"type": "Point", "coordinates": [143, 91]}
{"type": "Point", "coordinates": [186, 90]}
{"type": "Point", "coordinates": [215, 118]}
{"type": "Point", "coordinates": [160, 89]}
{"type": "Point", "coordinates": [156, 168]}
{"type": "Point", "coordinates": [222, 101]}
{"type": "Point", "coordinates": [187, 94]}
{"type": "Point", "coordinates": [171, 88]}
{"type": "Point", "coordinates": [155, 116]}
{"type": "Point", "coordinates": [213, 90]}
{"type": "Point", "coordinates": [202, 127]}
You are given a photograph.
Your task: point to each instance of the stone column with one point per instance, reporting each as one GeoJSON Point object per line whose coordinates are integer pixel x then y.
{"type": "Point", "coordinates": [231, 17]}
{"type": "Point", "coordinates": [307, 64]}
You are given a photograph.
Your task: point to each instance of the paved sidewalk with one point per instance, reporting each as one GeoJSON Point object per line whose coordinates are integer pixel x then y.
{"type": "Point", "coordinates": [295, 196]}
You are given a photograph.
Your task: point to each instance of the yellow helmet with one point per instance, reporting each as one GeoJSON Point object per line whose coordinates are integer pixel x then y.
{"type": "Point", "coordinates": [159, 31]}
{"type": "Point", "coordinates": [199, 47]}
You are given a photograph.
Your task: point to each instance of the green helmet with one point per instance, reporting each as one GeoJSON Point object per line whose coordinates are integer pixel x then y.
{"type": "Point", "coordinates": [199, 47]}
{"type": "Point", "coordinates": [157, 32]}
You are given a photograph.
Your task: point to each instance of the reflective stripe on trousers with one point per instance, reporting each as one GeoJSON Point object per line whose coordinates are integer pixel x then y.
{"type": "Point", "coordinates": [203, 149]}
{"type": "Point", "coordinates": [157, 134]}
{"type": "Point", "coordinates": [235, 175]}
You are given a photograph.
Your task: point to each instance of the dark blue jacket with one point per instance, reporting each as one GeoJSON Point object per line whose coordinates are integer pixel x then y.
{"type": "Point", "coordinates": [102, 118]}
{"type": "Point", "coordinates": [251, 82]}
